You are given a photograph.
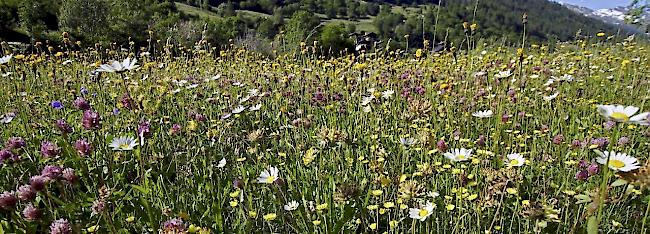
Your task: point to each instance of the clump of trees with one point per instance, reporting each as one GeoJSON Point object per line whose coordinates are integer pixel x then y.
{"type": "Point", "coordinates": [284, 24]}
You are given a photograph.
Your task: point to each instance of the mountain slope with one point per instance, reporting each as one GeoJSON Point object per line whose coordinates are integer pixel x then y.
{"type": "Point", "coordinates": [616, 16]}
{"type": "Point", "coordinates": [497, 18]}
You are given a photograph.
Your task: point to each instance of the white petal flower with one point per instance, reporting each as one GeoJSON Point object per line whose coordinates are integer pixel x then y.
{"type": "Point", "coordinates": [387, 94]}
{"type": "Point", "coordinates": [421, 213]}
{"type": "Point", "coordinates": [115, 66]}
{"type": "Point", "coordinates": [256, 107]}
{"type": "Point", "coordinates": [620, 113]}
{"type": "Point", "coordinates": [123, 143]}
{"type": "Point", "coordinates": [292, 205]}
{"type": "Point", "coordinates": [551, 97]}
{"type": "Point", "coordinates": [617, 161]}
{"type": "Point", "coordinates": [515, 160]}
{"type": "Point", "coordinates": [222, 163]}
{"type": "Point", "coordinates": [268, 176]}
{"type": "Point", "coordinates": [366, 100]}
{"type": "Point", "coordinates": [483, 114]}
{"type": "Point", "coordinates": [459, 155]}
{"type": "Point", "coordinates": [6, 59]}
{"type": "Point", "coordinates": [407, 141]}
{"type": "Point", "coordinates": [238, 110]}
{"type": "Point", "coordinates": [503, 74]}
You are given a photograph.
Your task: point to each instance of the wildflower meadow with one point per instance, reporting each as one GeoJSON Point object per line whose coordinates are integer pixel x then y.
{"type": "Point", "coordinates": [536, 138]}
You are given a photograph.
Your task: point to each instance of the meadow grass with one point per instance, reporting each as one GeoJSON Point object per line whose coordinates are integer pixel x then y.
{"type": "Point", "coordinates": [359, 141]}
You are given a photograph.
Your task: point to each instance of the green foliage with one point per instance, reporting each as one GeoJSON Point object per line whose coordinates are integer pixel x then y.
{"type": "Point", "coordinates": [298, 28]}
{"type": "Point", "coordinates": [334, 39]}
{"type": "Point", "coordinates": [85, 18]}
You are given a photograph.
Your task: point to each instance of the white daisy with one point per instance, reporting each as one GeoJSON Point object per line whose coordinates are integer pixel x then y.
{"type": "Point", "coordinates": [256, 107]}
{"type": "Point", "coordinates": [515, 160]}
{"type": "Point", "coordinates": [366, 100]}
{"type": "Point", "coordinates": [421, 213]}
{"type": "Point", "coordinates": [503, 74]}
{"type": "Point", "coordinates": [222, 163]}
{"type": "Point", "coordinates": [407, 141]}
{"type": "Point", "coordinates": [238, 110]}
{"type": "Point", "coordinates": [479, 74]}
{"type": "Point", "coordinates": [253, 92]}
{"type": "Point", "coordinates": [387, 94]}
{"type": "Point", "coordinates": [459, 155]}
{"type": "Point", "coordinates": [123, 143]}
{"type": "Point", "coordinates": [617, 161]}
{"type": "Point", "coordinates": [7, 118]}
{"type": "Point", "coordinates": [551, 97]}
{"type": "Point", "coordinates": [115, 66]}
{"type": "Point", "coordinates": [6, 59]}
{"type": "Point", "coordinates": [292, 205]}
{"type": "Point", "coordinates": [565, 77]}
{"type": "Point", "coordinates": [549, 82]}
{"type": "Point", "coordinates": [483, 114]}
{"type": "Point", "coordinates": [268, 176]}
{"type": "Point", "coordinates": [620, 113]}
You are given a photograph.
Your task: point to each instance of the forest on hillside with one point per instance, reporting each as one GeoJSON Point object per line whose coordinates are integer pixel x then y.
{"type": "Point", "coordinates": [263, 22]}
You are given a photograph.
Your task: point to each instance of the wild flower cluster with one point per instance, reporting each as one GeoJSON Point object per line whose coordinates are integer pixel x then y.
{"type": "Point", "coordinates": [490, 140]}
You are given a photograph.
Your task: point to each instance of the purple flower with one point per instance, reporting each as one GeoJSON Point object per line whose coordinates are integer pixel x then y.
{"type": "Point", "coordinates": [582, 164]}
{"type": "Point", "coordinates": [511, 93]}
{"type": "Point", "coordinates": [52, 172]}
{"type": "Point", "coordinates": [38, 182]}
{"type": "Point", "coordinates": [83, 147]}
{"type": "Point", "coordinates": [558, 139]}
{"type": "Point", "coordinates": [200, 117]}
{"type": "Point", "coordinates": [69, 176]}
{"type": "Point", "coordinates": [576, 144]}
{"type": "Point", "coordinates": [49, 149]}
{"type": "Point", "coordinates": [623, 141]}
{"type": "Point", "coordinates": [593, 168]}
{"type": "Point", "coordinates": [505, 117]}
{"type": "Point", "coordinates": [609, 124]}
{"type": "Point", "coordinates": [60, 226]}
{"type": "Point", "coordinates": [63, 126]}
{"type": "Point", "coordinates": [6, 154]}
{"type": "Point", "coordinates": [144, 129]}
{"type": "Point", "coordinates": [238, 183]}
{"type": "Point", "coordinates": [441, 146]}
{"type": "Point", "coordinates": [84, 91]}
{"type": "Point", "coordinates": [91, 120]}
{"type": "Point", "coordinates": [57, 105]}
{"type": "Point", "coordinates": [31, 213]}
{"type": "Point", "coordinates": [81, 104]}
{"type": "Point", "coordinates": [126, 101]}
{"type": "Point", "coordinates": [26, 193]}
{"type": "Point", "coordinates": [174, 225]}
{"type": "Point", "coordinates": [15, 143]}
{"type": "Point", "coordinates": [481, 140]}
{"type": "Point", "coordinates": [176, 128]}
{"type": "Point", "coordinates": [8, 200]}
{"type": "Point", "coordinates": [582, 175]}
{"type": "Point", "coordinates": [544, 128]}
{"type": "Point", "coordinates": [116, 111]}
{"type": "Point", "coordinates": [98, 206]}
{"type": "Point", "coordinates": [600, 142]}
{"type": "Point", "coordinates": [420, 90]}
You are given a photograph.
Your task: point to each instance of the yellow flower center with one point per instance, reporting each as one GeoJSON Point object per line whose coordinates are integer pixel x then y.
{"type": "Point", "coordinates": [124, 146]}
{"type": "Point", "coordinates": [616, 163]}
{"type": "Point", "coordinates": [460, 157]}
{"type": "Point", "coordinates": [514, 162]}
{"type": "Point", "coordinates": [618, 116]}
{"type": "Point", "coordinates": [270, 179]}
{"type": "Point", "coordinates": [423, 212]}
